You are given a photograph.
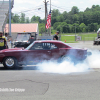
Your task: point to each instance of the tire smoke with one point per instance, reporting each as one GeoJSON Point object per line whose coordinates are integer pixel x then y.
{"type": "Point", "coordinates": [63, 68]}
{"type": "Point", "coordinates": [66, 67]}
{"type": "Point", "coordinates": [94, 60]}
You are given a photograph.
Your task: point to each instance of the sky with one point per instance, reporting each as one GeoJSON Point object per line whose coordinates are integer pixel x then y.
{"type": "Point", "coordinates": [37, 8]}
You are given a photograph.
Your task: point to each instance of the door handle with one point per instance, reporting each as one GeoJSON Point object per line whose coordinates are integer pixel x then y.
{"type": "Point", "coordinates": [49, 51]}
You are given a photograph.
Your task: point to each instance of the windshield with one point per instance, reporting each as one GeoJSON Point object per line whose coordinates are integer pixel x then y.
{"type": "Point", "coordinates": [29, 46]}
{"type": "Point", "coordinates": [23, 37]}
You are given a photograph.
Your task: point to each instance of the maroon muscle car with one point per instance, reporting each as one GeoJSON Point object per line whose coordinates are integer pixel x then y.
{"type": "Point", "coordinates": [39, 51]}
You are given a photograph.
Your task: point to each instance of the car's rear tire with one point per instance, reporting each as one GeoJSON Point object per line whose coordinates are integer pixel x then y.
{"type": "Point", "coordinates": [68, 58]}
{"type": "Point", "coordinates": [65, 58]}
{"type": "Point", "coordinates": [10, 63]}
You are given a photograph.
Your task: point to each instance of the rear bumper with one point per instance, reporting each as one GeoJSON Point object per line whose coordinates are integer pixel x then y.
{"type": "Point", "coordinates": [83, 57]}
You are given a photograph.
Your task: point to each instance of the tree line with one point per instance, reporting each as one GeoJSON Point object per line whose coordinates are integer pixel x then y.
{"type": "Point", "coordinates": [66, 22]}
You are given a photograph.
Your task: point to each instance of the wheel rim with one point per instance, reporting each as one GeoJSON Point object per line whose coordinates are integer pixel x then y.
{"type": "Point", "coordinates": [9, 62]}
{"type": "Point", "coordinates": [66, 58]}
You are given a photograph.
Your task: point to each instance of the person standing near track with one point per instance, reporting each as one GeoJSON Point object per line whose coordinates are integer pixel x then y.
{"type": "Point", "coordinates": [6, 36]}
{"type": "Point", "coordinates": [3, 42]}
{"type": "Point", "coordinates": [55, 37]}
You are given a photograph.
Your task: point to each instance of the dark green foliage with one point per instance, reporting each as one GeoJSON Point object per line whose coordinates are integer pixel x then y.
{"type": "Point", "coordinates": [66, 22]}
{"type": "Point", "coordinates": [87, 21]}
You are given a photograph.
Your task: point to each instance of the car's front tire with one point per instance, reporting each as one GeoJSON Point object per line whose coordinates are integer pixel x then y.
{"type": "Point", "coordinates": [10, 63]}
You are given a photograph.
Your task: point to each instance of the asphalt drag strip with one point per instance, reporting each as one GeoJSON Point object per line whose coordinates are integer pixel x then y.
{"type": "Point", "coordinates": [30, 83]}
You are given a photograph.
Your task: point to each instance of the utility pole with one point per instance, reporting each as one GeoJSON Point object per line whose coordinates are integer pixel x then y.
{"type": "Point", "coordinates": [50, 23]}
{"type": "Point", "coordinates": [10, 17]}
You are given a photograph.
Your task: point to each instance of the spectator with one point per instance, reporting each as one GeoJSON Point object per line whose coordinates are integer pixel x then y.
{"type": "Point", "coordinates": [11, 41]}
{"type": "Point", "coordinates": [3, 42]}
{"type": "Point", "coordinates": [6, 36]}
{"type": "Point", "coordinates": [55, 37]}
{"type": "Point", "coordinates": [32, 38]}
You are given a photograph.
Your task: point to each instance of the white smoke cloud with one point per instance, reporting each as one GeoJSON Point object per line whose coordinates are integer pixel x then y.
{"type": "Point", "coordinates": [67, 67]}
{"type": "Point", "coordinates": [94, 59]}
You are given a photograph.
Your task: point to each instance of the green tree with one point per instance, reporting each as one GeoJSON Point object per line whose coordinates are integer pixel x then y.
{"type": "Point", "coordinates": [82, 27]}
{"type": "Point", "coordinates": [65, 15]}
{"type": "Point", "coordinates": [22, 18]}
{"type": "Point", "coordinates": [54, 15]}
{"type": "Point", "coordinates": [64, 27]}
{"type": "Point", "coordinates": [87, 20]}
{"type": "Point", "coordinates": [60, 18]}
{"type": "Point", "coordinates": [35, 19]}
{"type": "Point", "coordinates": [87, 9]}
{"type": "Point", "coordinates": [41, 28]}
{"type": "Point", "coordinates": [27, 20]}
{"type": "Point", "coordinates": [75, 18]}
{"type": "Point", "coordinates": [16, 18]}
{"type": "Point", "coordinates": [56, 24]}
{"type": "Point", "coordinates": [74, 10]}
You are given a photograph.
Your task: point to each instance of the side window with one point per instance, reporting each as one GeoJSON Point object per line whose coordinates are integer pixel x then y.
{"type": "Point", "coordinates": [46, 46]}
{"type": "Point", "coordinates": [37, 46]}
{"type": "Point", "coordinates": [43, 46]}
{"type": "Point", "coordinates": [53, 46]}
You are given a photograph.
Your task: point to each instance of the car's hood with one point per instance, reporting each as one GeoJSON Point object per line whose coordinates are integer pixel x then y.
{"type": "Point", "coordinates": [12, 49]}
